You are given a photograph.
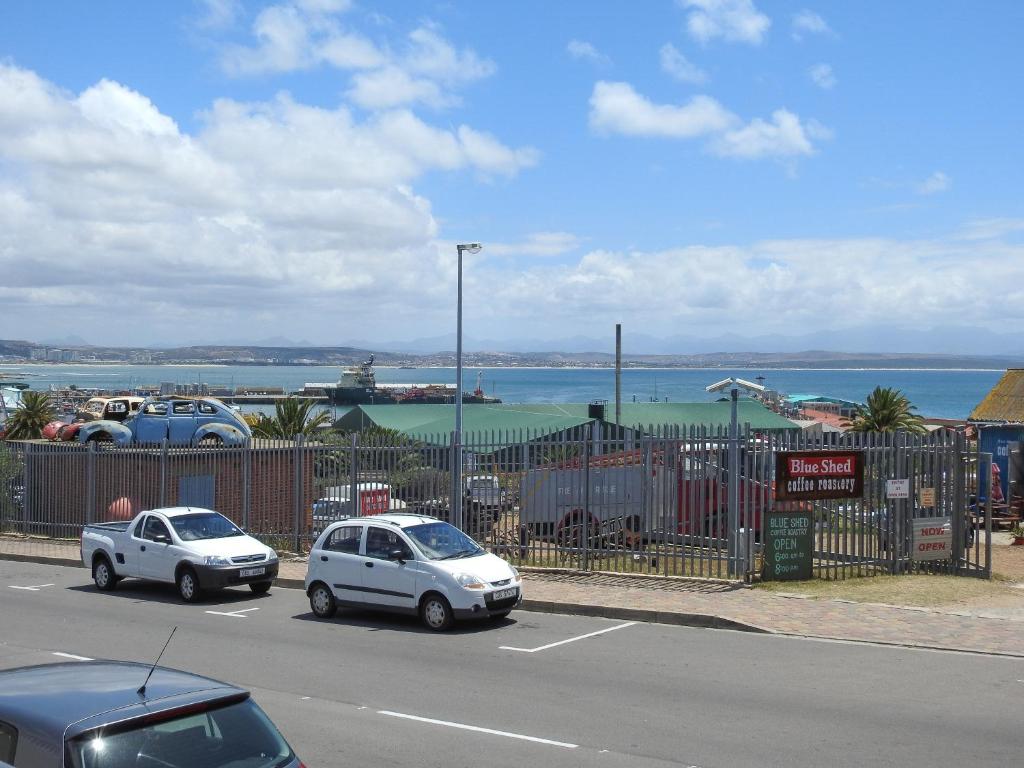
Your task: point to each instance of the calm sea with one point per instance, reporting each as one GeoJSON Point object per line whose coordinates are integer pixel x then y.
{"type": "Point", "coordinates": [944, 394]}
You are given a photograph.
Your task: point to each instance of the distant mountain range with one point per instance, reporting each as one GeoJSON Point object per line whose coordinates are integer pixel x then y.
{"type": "Point", "coordinates": [349, 355]}
{"type": "Point", "coordinates": [879, 339]}
{"type": "Point", "coordinates": [871, 340]}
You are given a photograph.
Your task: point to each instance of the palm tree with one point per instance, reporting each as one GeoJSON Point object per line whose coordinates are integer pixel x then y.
{"type": "Point", "coordinates": [291, 417]}
{"type": "Point", "coordinates": [886, 410]}
{"type": "Point", "coordinates": [36, 412]}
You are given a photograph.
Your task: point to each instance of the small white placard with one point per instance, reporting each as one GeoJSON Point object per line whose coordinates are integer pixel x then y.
{"type": "Point", "coordinates": [933, 539]}
{"type": "Point", "coordinates": [897, 489]}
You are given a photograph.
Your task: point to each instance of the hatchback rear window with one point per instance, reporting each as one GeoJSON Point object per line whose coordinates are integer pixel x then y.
{"type": "Point", "coordinates": [235, 736]}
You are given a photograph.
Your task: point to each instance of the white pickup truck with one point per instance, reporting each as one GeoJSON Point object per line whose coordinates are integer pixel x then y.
{"type": "Point", "coordinates": [195, 549]}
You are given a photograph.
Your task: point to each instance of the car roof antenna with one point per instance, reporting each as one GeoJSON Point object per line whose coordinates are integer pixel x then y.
{"type": "Point", "coordinates": [142, 690]}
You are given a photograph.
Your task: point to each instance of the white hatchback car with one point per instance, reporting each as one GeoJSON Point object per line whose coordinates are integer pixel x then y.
{"type": "Point", "coordinates": [408, 564]}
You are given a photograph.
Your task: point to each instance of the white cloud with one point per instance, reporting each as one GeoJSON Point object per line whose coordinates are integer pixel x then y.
{"type": "Point", "coordinates": [823, 76]}
{"type": "Point", "coordinates": [735, 21]}
{"type": "Point", "coordinates": [304, 34]}
{"type": "Point", "coordinates": [432, 56]}
{"type": "Point", "coordinates": [537, 244]}
{"type": "Point", "coordinates": [580, 49]}
{"type": "Point", "coordinates": [808, 22]}
{"type": "Point", "coordinates": [284, 44]}
{"type": "Point", "coordinates": [937, 182]}
{"type": "Point", "coordinates": [618, 108]}
{"type": "Point", "coordinates": [773, 286]}
{"type": "Point", "coordinates": [782, 136]}
{"type": "Point", "coordinates": [491, 156]}
{"type": "Point", "coordinates": [991, 229]}
{"type": "Point", "coordinates": [324, 6]}
{"type": "Point", "coordinates": [270, 206]}
{"type": "Point", "coordinates": [678, 66]}
{"type": "Point", "coordinates": [219, 14]}
{"type": "Point", "coordinates": [392, 87]}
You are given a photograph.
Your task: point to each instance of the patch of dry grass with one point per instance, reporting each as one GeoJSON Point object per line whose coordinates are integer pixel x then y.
{"type": "Point", "coordinates": [925, 591]}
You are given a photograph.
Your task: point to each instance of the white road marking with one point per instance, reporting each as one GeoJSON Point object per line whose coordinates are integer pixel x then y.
{"type": "Point", "coordinates": [72, 656]}
{"type": "Point", "coordinates": [239, 614]}
{"type": "Point", "coordinates": [36, 588]}
{"type": "Point", "coordinates": [478, 729]}
{"type": "Point", "coordinates": [570, 640]}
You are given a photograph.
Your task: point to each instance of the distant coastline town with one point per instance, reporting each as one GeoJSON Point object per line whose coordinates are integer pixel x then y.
{"type": "Point", "coordinates": [26, 352]}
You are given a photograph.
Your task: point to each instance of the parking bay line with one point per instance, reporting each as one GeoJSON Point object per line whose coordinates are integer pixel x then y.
{"type": "Point", "coordinates": [72, 656]}
{"type": "Point", "coordinates": [36, 588]}
{"type": "Point", "coordinates": [479, 729]}
{"type": "Point", "coordinates": [570, 640]}
{"type": "Point", "coordinates": [239, 614]}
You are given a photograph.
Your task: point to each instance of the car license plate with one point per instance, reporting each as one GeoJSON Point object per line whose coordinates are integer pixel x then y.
{"type": "Point", "coordinates": [247, 572]}
{"type": "Point", "coordinates": [502, 594]}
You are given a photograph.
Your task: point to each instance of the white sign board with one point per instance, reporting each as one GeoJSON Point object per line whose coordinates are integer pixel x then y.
{"type": "Point", "coordinates": [933, 539]}
{"type": "Point", "coordinates": [897, 489]}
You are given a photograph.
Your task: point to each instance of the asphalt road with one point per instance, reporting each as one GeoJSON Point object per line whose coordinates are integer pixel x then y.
{"type": "Point", "coordinates": [371, 690]}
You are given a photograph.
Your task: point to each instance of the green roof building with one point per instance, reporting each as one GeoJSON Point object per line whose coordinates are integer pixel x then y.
{"type": "Point", "coordinates": [509, 422]}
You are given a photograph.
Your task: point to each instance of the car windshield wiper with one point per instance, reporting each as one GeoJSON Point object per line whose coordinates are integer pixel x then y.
{"type": "Point", "coordinates": [460, 553]}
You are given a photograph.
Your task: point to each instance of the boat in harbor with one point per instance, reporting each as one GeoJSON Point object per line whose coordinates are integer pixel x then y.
{"type": "Point", "coordinates": [358, 386]}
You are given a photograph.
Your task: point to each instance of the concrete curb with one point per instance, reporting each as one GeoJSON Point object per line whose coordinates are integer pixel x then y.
{"type": "Point", "coordinates": [703, 620]}
{"type": "Point", "coordinates": [609, 612]}
{"type": "Point", "coordinates": [40, 559]}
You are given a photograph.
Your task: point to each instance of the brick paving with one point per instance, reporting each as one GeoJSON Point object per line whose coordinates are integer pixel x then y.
{"type": "Point", "coordinates": [687, 601]}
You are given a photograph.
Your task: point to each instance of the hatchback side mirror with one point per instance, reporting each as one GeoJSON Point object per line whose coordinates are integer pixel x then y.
{"type": "Point", "coordinates": [162, 538]}
{"type": "Point", "coordinates": [397, 554]}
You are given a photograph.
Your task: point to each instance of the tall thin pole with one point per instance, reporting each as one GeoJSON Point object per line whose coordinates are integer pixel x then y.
{"type": "Point", "coordinates": [734, 484]}
{"type": "Point", "coordinates": [456, 493]}
{"type": "Point", "coordinates": [618, 373]}
{"type": "Point", "coordinates": [455, 502]}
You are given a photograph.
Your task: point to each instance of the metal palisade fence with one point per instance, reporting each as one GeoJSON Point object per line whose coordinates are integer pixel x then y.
{"type": "Point", "coordinates": [663, 501]}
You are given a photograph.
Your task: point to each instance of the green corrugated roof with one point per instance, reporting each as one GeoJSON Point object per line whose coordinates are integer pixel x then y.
{"type": "Point", "coordinates": [1005, 401]}
{"type": "Point", "coordinates": [714, 414]}
{"type": "Point", "coordinates": [423, 421]}
{"type": "Point", "coordinates": [426, 421]}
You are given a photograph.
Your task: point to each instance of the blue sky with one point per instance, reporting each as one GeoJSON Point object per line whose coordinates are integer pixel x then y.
{"type": "Point", "coordinates": [303, 168]}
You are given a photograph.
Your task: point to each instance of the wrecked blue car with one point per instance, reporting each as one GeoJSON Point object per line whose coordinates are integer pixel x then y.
{"type": "Point", "coordinates": [179, 420]}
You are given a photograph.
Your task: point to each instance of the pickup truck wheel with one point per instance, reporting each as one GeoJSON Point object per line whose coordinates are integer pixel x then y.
{"type": "Point", "coordinates": [188, 585]}
{"type": "Point", "coordinates": [260, 587]}
{"type": "Point", "coordinates": [103, 574]}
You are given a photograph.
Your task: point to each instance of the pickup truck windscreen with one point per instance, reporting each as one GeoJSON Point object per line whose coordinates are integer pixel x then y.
{"type": "Point", "coordinates": [238, 735]}
{"type": "Point", "coordinates": [204, 525]}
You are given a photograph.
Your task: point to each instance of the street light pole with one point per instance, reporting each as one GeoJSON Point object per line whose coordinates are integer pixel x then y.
{"type": "Point", "coordinates": [455, 497]}
{"type": "Point", "coordinates": [732, 385]}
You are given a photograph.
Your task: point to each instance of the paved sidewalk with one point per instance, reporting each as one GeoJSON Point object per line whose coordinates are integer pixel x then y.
{"type": "Point", "coordinates": [701, 603]}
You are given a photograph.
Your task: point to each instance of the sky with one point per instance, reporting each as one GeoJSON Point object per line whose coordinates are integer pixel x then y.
{"type": "Point", "coordinates": [224, 171]}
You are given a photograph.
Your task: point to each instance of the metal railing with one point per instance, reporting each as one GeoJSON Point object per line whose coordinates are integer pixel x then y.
{"type": "Point", "coordinates": [648, 500]}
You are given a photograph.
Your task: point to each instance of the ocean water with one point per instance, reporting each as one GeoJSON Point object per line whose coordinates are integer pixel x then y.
{"type": "Point", "coordinates": [937, 393]}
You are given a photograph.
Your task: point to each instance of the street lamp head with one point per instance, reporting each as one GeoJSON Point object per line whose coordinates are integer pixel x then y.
{"type": "Point", "coordinates": [734, 383]}
{"type": "Point", "coordinates": [470, 247]}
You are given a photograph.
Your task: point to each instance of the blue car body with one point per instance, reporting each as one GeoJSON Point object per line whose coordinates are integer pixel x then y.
{"type": "Point", "coordinates": [179, 420]}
